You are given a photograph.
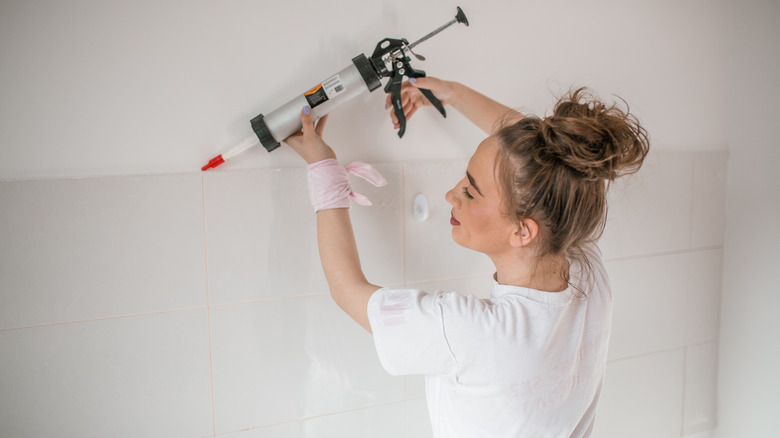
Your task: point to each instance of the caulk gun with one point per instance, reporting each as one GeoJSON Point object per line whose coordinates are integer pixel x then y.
{"type": "Point", "coordinates": [389, 60]}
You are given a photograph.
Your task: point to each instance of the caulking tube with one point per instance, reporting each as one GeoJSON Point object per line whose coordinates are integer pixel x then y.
{"type": "Point", "coordinates": [285, 121]}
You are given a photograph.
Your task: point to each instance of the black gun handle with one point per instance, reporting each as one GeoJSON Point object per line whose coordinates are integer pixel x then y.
{"type": "Point", "coordinates": [394, 88]}
{"type": "Point", "coordinates": [434, 100]}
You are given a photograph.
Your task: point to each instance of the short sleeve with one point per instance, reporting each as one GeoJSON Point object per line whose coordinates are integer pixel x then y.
{"type": "Point", "coordinates": [409, 333]}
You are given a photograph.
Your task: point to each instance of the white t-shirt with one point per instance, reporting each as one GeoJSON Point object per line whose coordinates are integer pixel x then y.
{"type": "Point", "coordinates": [523, 363]}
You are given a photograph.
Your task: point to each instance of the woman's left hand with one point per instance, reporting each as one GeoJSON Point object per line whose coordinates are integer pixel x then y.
{"type": "Point", "coordinates": [308, 143]}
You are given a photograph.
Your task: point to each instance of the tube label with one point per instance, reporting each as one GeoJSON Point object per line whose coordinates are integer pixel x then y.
{"type": "Point", "coordinates": [325, 91]}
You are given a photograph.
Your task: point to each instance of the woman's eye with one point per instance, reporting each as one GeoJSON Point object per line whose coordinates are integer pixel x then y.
{"type": "Point", "coordinates": [466, 193]}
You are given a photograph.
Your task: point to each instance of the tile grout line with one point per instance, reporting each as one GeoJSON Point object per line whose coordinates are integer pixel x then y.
{"type": "Point", "coordinates": [208, 306]}
{"type": "Point", "coordinates": [406, 413]}
{"type": "Point", "coordinates": [649, 353]}
{"type": "Point", "coordinates": [267, 300]}
{"type": "Point", "coordinates": [702, 343]}
{"type": "Point", "coordinates": [693, 200]}
{"type": "Point", "coordinates": [683, 390]}
{"type": "Point", "coordinates": [664, 253]}
{"type": "Point", "coordinates": [404, 284]}
{"type": "Point", "coordinates": [403, 266]}
{"type": "Point", "coordinates": [105, 318]}
{"type": "Point", "coordinates": [403, 223]}
{"type": "Point", "coordinates": [688, 290]}
{"type": "Point", "coordinates": [162, 312]}
{"type": "Point", "coordinates": [313, 417]}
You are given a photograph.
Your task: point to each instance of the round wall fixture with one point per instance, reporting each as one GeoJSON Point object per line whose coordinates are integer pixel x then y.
{"type": "Point", "coordinates": [420, 209]}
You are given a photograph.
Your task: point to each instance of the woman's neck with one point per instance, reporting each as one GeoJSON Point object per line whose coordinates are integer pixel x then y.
{"type": "Point", "coordinates": [549, 274]}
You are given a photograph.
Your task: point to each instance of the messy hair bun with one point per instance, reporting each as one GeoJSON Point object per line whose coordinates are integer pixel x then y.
{"type": "Point", "coordinates": [599, 142]}
{"type": "Point", "coordinates": [556, 170]}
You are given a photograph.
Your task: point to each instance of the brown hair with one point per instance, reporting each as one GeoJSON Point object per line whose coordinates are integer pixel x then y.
{"type": "Point", "coordinates": [557, 170]}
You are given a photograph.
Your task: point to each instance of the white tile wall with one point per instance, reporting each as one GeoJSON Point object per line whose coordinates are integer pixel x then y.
{"type": "Point", "coordinates": [381, 422]}
{"type": "Point", "coordinates": [79, 249]}
{"type": "Point", "coordinates": [193, 305]}
{"type": "Point", "coordinates": [430, 251]}
{"type": "Point", "coordinates": [418, 424]}
{"type": "Point", "coordinates": [701, 374]}
{"type": "Point", "coordinates": [649, 309]}
{"type": "Point", "coordinates": [650, 211]}
{"type": "Point", "coordinates": [642, 397]}
{"type": "Point", "coordinates": [137, 376]}
{"type": "Point", "coordinates": [708, 222]}
{"type": "Point", "coordinates": [285, 360]}
{"type": "Point", "coordinates": [260, 229]}
{"type": "Point", "coordinates": [703, 307]}
{"type": "Point", "coordinates": [379, 228]}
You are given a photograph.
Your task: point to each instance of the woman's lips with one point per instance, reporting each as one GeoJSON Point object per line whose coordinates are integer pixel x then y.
{"type": "Point", "coordinates": [454, 221]}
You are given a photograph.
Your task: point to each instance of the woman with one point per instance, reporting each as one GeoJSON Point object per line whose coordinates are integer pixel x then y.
{"type": "Point", "coordinates": [529, 361]}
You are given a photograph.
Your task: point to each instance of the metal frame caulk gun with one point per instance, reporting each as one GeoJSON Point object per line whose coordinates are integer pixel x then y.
{"type": "Point", "coordinates": [389, 60]}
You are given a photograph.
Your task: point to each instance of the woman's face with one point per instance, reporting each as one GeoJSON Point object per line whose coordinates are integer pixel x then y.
{"type": "Point", "coordinates": [477, 219]}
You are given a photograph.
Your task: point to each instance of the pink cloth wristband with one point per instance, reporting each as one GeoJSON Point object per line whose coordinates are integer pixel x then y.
{"type": "Point", "coordinates": [329, 183]}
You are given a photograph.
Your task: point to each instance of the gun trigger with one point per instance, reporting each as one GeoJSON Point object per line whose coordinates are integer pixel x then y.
{"type": "Point", "coordinates": [419, 57]}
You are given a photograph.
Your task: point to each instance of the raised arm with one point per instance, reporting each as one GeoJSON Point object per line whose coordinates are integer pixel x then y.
{"type": "Point", "coordinates": [478, 108]}
{"type": "Point", "coordinates": [338, 250]}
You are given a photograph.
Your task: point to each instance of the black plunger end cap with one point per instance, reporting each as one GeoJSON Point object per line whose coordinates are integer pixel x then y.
{"type": "Point", "coordinates": [461, 17]}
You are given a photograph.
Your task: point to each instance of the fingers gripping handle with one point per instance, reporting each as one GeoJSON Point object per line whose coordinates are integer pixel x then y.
{"type": "Point", "coordinates": [394, 88]}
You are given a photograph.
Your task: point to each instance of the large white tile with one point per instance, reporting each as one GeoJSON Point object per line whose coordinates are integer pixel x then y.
{"type": "Point", "coordinates": [702, 317]}
{"type": "Point", "coordinates": [261, 234]}
{"type": "Point", "coordinates": [284, 360]}
{"type": "Point", "coordinates": [78, 249]}
{"type": "Point", "coordinates": [709, 198]}
{"type": "Point", "coordinates": [642, 397]}
{"type": "Point", "coordinates": [381, 422]}
{"type": "Point", "coordinates": [701, 376]}
{"type": "Point", "coordinates": [379, 228]}
{"type": "Point", "coordinates": [431, 254]}
{"type": "Point", "coordinates": [123, 377]}
{"type": "Point", "coordinates": [650, 211]}
{"type": "Point", "coordinates": [418, 422]}
{"type": "Point", "coordinates": [415, 386]}
{"type": "Point", "coordinates": [649, 296]}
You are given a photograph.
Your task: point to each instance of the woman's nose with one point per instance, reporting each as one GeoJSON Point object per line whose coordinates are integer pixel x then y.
{"type": "Point", "coordinates": [452, 197]}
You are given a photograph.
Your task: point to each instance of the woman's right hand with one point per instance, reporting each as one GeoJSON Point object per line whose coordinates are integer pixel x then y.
{"type": "Point", "coordinates": [412, 98]}
{"type": "Point", "coordinates": [308, 142]}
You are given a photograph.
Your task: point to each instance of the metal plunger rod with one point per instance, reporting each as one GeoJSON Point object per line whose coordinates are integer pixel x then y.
{"type": "Point", "coordinates": [459, 18]}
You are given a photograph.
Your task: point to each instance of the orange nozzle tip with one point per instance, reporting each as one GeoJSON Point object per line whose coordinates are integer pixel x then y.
{"type": "Point", "coordinates": [214, 162]}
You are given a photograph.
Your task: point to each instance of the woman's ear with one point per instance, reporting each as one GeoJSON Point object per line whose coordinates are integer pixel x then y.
{"type": "Point", "coordinates": [525, 233]}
